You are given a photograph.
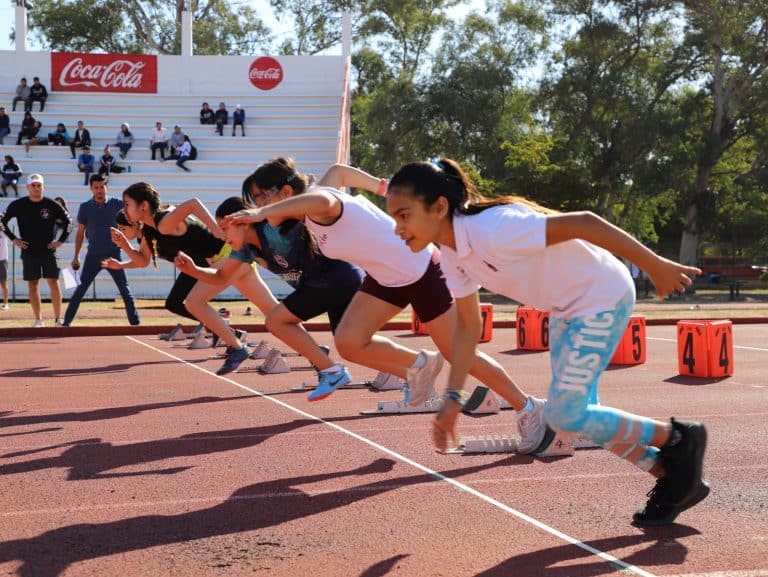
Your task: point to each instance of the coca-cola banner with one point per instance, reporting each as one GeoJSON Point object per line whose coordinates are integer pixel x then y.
{"type": "Point", "coordinates": [265, 73]}
{"type": "Point", "coordinates": [76, 72]}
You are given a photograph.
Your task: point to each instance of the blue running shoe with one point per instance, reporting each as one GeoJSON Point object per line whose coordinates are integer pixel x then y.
{"type": "Point", "coordinates": [328, 383]}
{"type": "Point", "coordinates": [235, 358]}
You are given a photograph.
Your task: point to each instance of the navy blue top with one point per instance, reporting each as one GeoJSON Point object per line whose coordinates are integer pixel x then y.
{"type": "Point", "coordinates": [288, 256]}
{"type": "Point", "coordinates": [97, 220]}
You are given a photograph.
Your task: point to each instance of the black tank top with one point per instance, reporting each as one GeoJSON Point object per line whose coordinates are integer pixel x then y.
{"type": "Point", "coordinates": [198, 242]}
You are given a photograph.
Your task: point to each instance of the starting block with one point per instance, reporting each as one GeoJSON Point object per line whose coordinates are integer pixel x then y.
{"type": "Point", "coordinates": [705, 348]}
{"type": "Point", "coordinates": [562, 445]}
{"type": "Point", "coordinates": [261, 350]}
{"type": "Point", "coordinates": [199, 342]}
{"type": "Point", "coordinates": [482, 401]}
{"type": "Point", "coordinates": [431, 405]}
{"type": "Point", "coordinates": [532, 329]}
{"type": "Point", "coordinates": [274, 364]}
{"type": "Point", "coordinates": [486, 312]}
{"type": "Point", "coordinates": [631, 348]}
{"type": "Point", "coordinates": [382, 382]}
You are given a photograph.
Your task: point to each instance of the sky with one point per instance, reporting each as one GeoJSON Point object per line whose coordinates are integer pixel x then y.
{"type": "Point", "coordinates": [262, 7]}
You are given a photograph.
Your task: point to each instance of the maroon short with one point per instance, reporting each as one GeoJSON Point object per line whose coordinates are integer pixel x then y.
{"type": "Point", "coordinates": [429, 296]}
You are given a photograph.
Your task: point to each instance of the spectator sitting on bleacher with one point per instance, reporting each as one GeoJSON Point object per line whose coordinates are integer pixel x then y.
{"type": "Point", "coordinates": [109, 163]}
{"type": "Point", "coordinates": [238, 119]}
{"type": "Point", "coordinates": [22, 94]}
{"type": "Point", "coordinates": [85, 163]}
{"type": "Point", "coordinates": [124, 140]}
{"type": "Point", "coordinates": [60, 136]}
{"type": "Point", "coordinates": [81, 138]}
{"type": "Point", "coordinates": [27, 127]}
{"type": "Point", "coordinates": [35, 137]}
{"type": "Point", "coordinates": [206, 115]}
{"type": "Point", "coordinates": [222, 118]}
{"type": "Point", "coordinates": [5, 124]}
{"type": "Point", "coordinates": [185, 153]}
{"type": "Point", "coordinates": [37, 93]}
{"type": "Point", "coordinates": [158, 141]}
{"type": "Point", "coordinates": [11, 174]}
{"type": "Point", "coordinates": [175, 140]}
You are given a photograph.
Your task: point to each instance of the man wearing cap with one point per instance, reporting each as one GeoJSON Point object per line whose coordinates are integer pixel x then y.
{"type": "Point", "coordinates": [238, 118]}
{"type": "Point", "coordinates": [37, 218]}
{"type": "Point", "coordinates": [95, 219]}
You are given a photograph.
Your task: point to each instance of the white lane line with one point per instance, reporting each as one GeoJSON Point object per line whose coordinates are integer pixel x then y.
{"type": "Point", "coordinates": [440, 477]}
{"type": "Point", "coordinates": [734, 346]}
{"type": "Point", "coordinates": [745, 573]}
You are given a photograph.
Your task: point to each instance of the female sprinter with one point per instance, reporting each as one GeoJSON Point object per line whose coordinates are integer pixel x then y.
{"type": "Point", "coordinates": [165, 233]}
{"type": "Point", "coordinates": [322, 285]}
{"type": "Point", "coordinates": [353, 229]}
{"type": "Point", "coordinates": [563, 263]}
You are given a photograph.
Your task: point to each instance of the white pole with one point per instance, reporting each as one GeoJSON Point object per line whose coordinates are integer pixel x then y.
{"type": "Point", "coordinates": [346, 34]}
{"type": "Point", "coordinates": [21, 26]}
{"type": "Point", "coordinates": [186, 33]}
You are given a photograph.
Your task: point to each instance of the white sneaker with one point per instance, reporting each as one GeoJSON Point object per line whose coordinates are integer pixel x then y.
{"type": "Point", "coordinates": [59, 323]}
{"type": "Point", "coordinates": [5, 307]}
{"type": "Point", "coordinates": [38, 324]}
{"type": "Point", "coordinates": [421, 381]}
{"type": "Point", "coordinates": [532, 427]}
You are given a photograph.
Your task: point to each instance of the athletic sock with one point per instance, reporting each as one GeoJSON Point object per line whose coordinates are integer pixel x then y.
{"type": "Point", "coordinates": [331, 370]}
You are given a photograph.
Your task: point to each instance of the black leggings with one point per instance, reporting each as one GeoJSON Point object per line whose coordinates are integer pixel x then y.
{"type": "Point", "coordinates": [179, 292]}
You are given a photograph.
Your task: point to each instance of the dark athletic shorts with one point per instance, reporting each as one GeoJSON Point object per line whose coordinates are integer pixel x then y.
{"type": "Point", "coordinates": [40, 266]}
{"type": "Point", "coordinates": [3, 270]}
{"type": "Point", "coordinates": [308, 302]}
{"type": "Point", "coordinates": [429, 296]}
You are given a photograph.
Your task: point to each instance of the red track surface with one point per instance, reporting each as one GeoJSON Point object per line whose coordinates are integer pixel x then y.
{"type": "Point", "coordinates": [128, 456]}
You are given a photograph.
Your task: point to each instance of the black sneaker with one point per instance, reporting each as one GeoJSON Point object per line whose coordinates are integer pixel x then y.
{"type": "Point", "coordinates": [682, 486]}
{"type": "Point", "coordinates": [235, 358]}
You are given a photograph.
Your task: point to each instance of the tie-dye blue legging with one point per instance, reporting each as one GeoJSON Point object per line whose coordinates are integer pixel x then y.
{"type": "Point", "coordinates": [581, 349]}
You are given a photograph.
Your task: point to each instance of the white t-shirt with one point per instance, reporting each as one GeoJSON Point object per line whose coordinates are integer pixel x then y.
{"type": "Point", "coordinates": [364, 235]}
{"type": "Point", "coordinates": [503, 249]}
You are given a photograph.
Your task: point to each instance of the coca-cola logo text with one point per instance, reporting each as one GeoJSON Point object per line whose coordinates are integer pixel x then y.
{"type": "Point", "coordinates": [265, 73]}
{"type": "Point", "coordinates": [104, 72]}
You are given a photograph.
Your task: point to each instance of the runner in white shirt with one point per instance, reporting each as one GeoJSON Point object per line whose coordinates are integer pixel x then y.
{"type": "Point", "coordinates": [353, 229]}
{"type": "Point", "coordinates": [563, 263]}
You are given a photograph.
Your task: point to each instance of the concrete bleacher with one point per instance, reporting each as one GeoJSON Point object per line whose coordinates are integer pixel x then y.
{"type": "Point", "coordinates": [300, 119]}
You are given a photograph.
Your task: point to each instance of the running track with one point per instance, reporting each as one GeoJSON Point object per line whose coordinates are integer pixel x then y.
{"type": "Point", "coordinates": [126, 455]}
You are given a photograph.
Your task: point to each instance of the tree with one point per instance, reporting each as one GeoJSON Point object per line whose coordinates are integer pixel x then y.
{"type": "Point", "coordinates": [316, 23]}
{"type": "Point", "coordinates": [148, 26]}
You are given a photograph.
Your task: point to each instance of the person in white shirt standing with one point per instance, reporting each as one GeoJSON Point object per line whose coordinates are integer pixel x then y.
{"type": "Point", "coordinates": [562, 263]}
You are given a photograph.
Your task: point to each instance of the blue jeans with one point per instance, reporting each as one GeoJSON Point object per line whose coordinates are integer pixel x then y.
{"type": "Point", "coordinates": [3, 133]}
{"type": "Point", "coordinates": [91, 267]}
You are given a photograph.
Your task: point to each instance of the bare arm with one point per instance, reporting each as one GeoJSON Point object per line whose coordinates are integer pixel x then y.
{"type": "Point", "coordinates": [173, 222]}
{"type": "Point", "coordinates": [79, 238]}
{"type": "Point", "coordinates": [221, 276]}
{"type": "Point", "coordinates": [138, 258]}
{"type": "Point", "coordinates": [468, 329]}
{"type": "Point", "coordinates": [342, 175]}
{"type": "Point", "coordinates": [319, 206]}
{"type": "Point", "coordinates": [667, 276]}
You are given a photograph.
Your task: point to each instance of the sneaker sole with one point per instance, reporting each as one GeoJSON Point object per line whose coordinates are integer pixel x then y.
{"type": "Point", "coordinates": [701, 493]}
{"type": "Point", "coordinates": [438, 368]}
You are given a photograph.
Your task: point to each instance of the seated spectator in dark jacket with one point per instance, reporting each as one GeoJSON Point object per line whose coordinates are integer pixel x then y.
{"type": "Point", "coordinates": [35, 138]}
{"type": "Point", "coordinates": [37, 93]}
{"type": "Point", "coordinates": [22, 94]}
{"type": "Point", "coordinates": [80, 139]}
{"type": "Point", "coordinates": [5, 124]}
{"type": "Point", "coordinates": [222, 118]}
{"type": "Point", "coordinates": [27, 127]}
{"type": "Point", "coordinates": [85, 163]}
{"type": "Point", "coordinates": [11, 173]}
{"type": "Point", "coordinates": [60, 136]}
{"type": "Point", "coordinates": [206, 115]}
{"type": "Point", "coordinates": [238, 119]}
{"type": "Point", "coordinates": [109, 163]}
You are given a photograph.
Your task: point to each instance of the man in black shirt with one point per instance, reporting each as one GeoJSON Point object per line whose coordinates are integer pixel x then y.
{"type": "Point", "coordinates": [37, 218]}
{"type": "Point", "coordinates": [37, 93]}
